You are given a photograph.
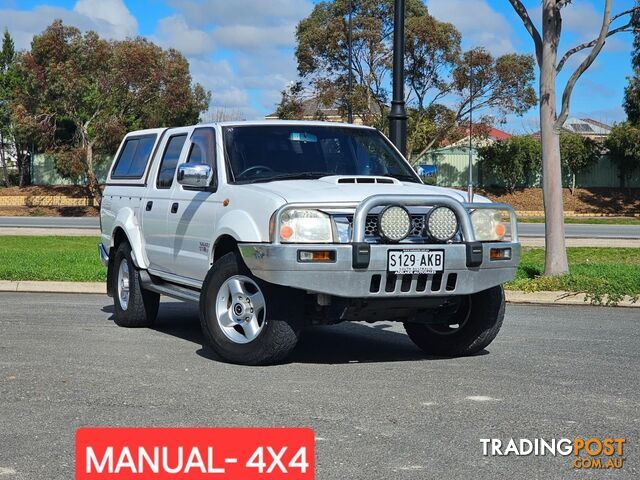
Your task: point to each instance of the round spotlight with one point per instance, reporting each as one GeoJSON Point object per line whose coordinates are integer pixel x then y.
{"type": "Point", "coordinates": [394, 223]}
{"type": "Point", "coordinates": [442, 224]}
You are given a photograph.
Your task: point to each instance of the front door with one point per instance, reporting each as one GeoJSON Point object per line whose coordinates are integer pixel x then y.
{"type": "Point", "coordinates": [193, 212]}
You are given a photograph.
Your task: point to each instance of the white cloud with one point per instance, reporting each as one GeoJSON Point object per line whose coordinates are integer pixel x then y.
{"type": "Point", "coordinates": [113, 22]}
{"type": "Point", "coordinates": [255, 37]}
{"type": "Point", "coordinates": [211, 74]}
{"type": "Point", "coordinates": [271, 72]}
{"type": "Point", "coordinates": [480, 25]}
{"type": "Point", "coordinates": [173, 32]}
{"type": "Point", "coordinates": [112, 12]}
{"type": "Point", "coordinates": [227, 93]}
{"type": "Point", "coordinates": [243, 12]}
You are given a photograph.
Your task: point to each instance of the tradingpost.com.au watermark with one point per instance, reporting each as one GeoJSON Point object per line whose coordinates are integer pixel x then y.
{"type": "Point", "coordinates": [588, 453]}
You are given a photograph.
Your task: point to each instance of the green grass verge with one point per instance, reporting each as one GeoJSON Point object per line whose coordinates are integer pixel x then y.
{"type": "Point", "coordinates": [598, 272]}
{"type": "Point", "coordinates": [605, 275]}
{"type": "Point", "coordinates": [588, 220]}
{"type": "Point", "coordinates": [72, 259]}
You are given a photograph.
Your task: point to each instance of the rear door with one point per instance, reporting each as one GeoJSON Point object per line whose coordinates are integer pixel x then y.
{"type": "Point", "coordinates": [157, 203]}
{"type": "Point", "coordinates": [193, 212]}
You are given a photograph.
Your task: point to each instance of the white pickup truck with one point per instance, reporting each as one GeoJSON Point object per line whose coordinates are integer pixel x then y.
{"type": "Point", "coordinates": [274, 226]}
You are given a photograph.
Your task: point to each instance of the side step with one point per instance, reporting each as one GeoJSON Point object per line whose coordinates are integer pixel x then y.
{"type": "Point", "coordinates": [158, 285]}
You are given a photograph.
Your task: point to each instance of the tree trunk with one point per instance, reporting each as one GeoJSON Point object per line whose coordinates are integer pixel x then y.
{"type": "Point", "coordinates": [23, 159]}
{"type": "Point", "coordinates": [555, 249]}
{"type": "Point", "coordinates": [573, 184]}
{"type": "Point", "coordinates": [92, 180]}
{"type": "Point", "coordinates": [3, 163]}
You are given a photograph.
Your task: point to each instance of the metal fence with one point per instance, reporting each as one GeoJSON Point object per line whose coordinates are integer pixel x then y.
{"type": "Point", "coordinates": [452, 170]}
{"type": "Point", "coordinates": [451, 166]}
{"type": "Point", "coordinates": [43, 170]}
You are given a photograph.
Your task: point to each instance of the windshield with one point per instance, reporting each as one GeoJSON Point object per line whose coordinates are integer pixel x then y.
{"type": "Point", "coordinates": [263, 153]}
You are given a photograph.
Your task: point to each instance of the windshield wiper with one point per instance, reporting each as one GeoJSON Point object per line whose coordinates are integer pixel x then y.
{"type": "Point", "coordinates": [292, 176]}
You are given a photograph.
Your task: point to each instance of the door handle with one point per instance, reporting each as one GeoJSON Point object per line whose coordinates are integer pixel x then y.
{"type": "Point", "coordinates": [149, 206]}
{"type": "Point", "coordinates": [174, 208]}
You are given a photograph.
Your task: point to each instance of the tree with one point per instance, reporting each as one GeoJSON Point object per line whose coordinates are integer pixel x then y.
{"type": "Point", "coordinates": [424, 128]}
{"type": "Point", "coordinates": [82, 93]}
{"type": "Point", "coordinates": [501, 85]}
{"type": "Point", "coordinates": [624, 149]}
{"type": "Point", "coordinates": [515, 161]}
{"type": "Point", "coordinates": [12, 133]}
{"type": "Point", "coordinates": [632, 91]}
{"type": "Point", "coordinates": [322, 52]}
{"type": "Point", "coordinates": [546, 49]}
{"type": "Point", "coordinates": [435, 68]}
{"type": "Point", "coordinates": [7, 55]}
{"type": "Point", "coordinates": [7, 58]}
{"type": "Point", "coordinates": [291, 104]}
{"type": "Point", "coordinates": [578, 154]}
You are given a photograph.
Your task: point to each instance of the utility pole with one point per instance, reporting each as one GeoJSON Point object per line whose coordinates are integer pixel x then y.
{"type": "Point", "coordinates": [350, 42]}
{"type": "Point", "coordinates": [470, 181]}
{"type": "Point", "coordinates": [398, 114]}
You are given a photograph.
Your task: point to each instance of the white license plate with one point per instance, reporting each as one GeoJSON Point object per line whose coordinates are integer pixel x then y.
{"type": "Point", "coordinates": [415, 261]}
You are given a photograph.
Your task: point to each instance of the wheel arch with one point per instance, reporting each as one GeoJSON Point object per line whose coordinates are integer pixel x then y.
{"type": "Point", "coordinates": [225, 243]}
{"type": "Point", "coordinates": [126, 228]}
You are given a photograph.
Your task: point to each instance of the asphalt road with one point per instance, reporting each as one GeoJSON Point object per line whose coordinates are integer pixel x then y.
{"type": "Point", "coordinates": [535, 230]}
{"type": "Point", "coordinates": [380, 408]}
{"type": "Point", "coordinates": [578, 230]}
{"type": "Point", "coordinates": [51, 222]}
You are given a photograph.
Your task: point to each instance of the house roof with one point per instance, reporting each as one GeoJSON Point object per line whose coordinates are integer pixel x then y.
{"type": "Point", "coordinates": [586, 126]}
{"type": "Point", "coordinates": [311, 106]}
{"type": "Point", "coordinates": [479, 131]}
{"type": "Point", "coordinates": [497, 134]}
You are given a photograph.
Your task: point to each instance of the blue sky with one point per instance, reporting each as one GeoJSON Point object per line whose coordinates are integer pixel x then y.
{"type": "Point", "coordinates": [242, 50]}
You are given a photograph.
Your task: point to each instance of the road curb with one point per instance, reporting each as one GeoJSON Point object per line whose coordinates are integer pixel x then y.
{"type": "Point", "coordinates": [512, 296]}
{"type": "Point", "coordinates": [53, 287]}
{"type": "Point", "coordinates": [558, 298]}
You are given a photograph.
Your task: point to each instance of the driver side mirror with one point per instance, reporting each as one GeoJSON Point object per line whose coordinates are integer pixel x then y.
{"type": "Point", "coordinates": [195, 175]}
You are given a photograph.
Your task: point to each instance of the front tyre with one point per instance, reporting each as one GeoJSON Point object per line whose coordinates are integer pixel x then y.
{"type": "Point", "coordinates": [134, 307]}
{"type": "Point", "coordinates": [471, 328]}
{"type": "Point", "coordinates": [243, 318]}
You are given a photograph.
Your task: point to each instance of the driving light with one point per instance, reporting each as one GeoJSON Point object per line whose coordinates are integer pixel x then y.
{"type": "Point", "coordinates": [394, 223]}
{"type": "Point", "coordinates": [442, 224]}
{"type": "Point", "coordinates": [487, 225]}
{"type": "Point", "coordinates": [305, 226]}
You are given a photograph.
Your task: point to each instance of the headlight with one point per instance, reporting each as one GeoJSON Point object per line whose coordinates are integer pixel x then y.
{"type": "Point", "coordinates": [487, 225]}
{"type": "Point", "coordinates": [394, 223]}
{"type": "Point", "coordinates": [305, 226]}
{"type": "Point", "coordinates": [442, 224]}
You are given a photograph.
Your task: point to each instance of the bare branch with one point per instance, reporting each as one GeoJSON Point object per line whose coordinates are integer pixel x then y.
{"type": "Point", "coordinates": [597, 48]}
{"type": "Point", "coordinates": [562, 3]}
{"type": "Point", "coordinates": [522, 12]}
{"type": "Point", "coordinates": [622, 14]}
{"type": "Point", "coordinates": [583, 46]}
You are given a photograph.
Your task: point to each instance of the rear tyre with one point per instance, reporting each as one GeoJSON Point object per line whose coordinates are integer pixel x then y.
{"type": "Point", "coordinates": [470, 329]}
{"type": "Point", "coordinates": [134, 306]}
{"type": "Point", "coordinates": [245, 320]}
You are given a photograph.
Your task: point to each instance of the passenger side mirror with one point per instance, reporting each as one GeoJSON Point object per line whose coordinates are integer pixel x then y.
{"type": "Point", "coordinates": [195, 175]}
